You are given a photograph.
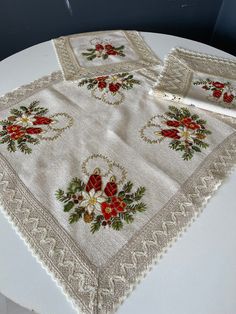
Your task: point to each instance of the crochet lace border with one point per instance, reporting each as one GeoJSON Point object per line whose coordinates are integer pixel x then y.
{"type": "Point", "coordinates": [101, 291]}
{"type": "Point", "coordinates": [181, 63]}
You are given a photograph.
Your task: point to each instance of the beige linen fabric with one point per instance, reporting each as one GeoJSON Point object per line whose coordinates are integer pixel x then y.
{"type": "Point", "coordinates": [97, 270]}
{"type": "Point", "coordinates": [200, 80]}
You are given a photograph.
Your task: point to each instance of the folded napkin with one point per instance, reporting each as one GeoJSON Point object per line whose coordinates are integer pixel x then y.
{"type": "Point", "coordinates": [99, 192]}
{"type": "Point", "coordinates": [102, 53]}
{"type": "Point", "coordinates": [197, 79]}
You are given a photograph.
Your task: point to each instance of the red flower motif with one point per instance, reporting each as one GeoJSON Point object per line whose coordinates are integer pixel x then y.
{"type": "Point", "coordinates": [42, 120]}
{"type": "Point", "coordinates": [186, 121]}
{"type": "Point", "coordinates": [99, 47]}
{"type": "Point", "coordinates": [118, 203]}
{"type": "Point", "coordinates": [102, 84]}
{"type": "Point", "coordinates": [108, 210]}
{"type": "Point", "coordinates": [16, 136]}
{"type": "Point", "coordinates": [173, 123]}
{"type": "Point", "coordinates": [218, 85]}
{"type": "Point", "coordinates": [13, 128]}
{"type": "Point", "coordinates": [114, 87]}
{"type": "Point", "coordinates": [193, 126]}
{"type": "Point", "coordinates": [190, 124]}
{"type": "Point", "coordinates": [172, 133]}
{"type": "Point", "coordinates": [112, 52]}
{"type": "Point", "coordinates": [109, 47]}
{"type": "Point", "coordinates": [34, 130]}
{"type": "Point", "coordinates": [101, 78]}
{"type": "Point", "coordinates": [217, 93]}
{"type": "Point", "coordinates": [228, 97]}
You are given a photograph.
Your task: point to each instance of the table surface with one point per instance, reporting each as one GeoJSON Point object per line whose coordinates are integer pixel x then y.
{"type": "Point", "coordinates": [197, 276]}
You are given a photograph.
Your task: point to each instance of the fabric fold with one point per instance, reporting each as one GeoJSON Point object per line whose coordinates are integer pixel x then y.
{"type": "Point", "coordinates": [200, 80]}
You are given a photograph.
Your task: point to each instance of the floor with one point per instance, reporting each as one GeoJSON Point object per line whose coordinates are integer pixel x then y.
{"type": "Point", "coordinates": [9, 307]}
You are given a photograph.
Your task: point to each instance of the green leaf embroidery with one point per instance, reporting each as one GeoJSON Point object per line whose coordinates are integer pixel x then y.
{"type": "Point", "coordinates": [74, 217]}
{"type": "Point", "coordinates": [68, 206]}
{"type": "Point", "coordinates": [11, 146]}
{"type": "Point", "coordinates": [24, 148]}
{"type": "Point", "coordinates": [96, 224]}
{"type": "Point", "coordinates": [116, 223]}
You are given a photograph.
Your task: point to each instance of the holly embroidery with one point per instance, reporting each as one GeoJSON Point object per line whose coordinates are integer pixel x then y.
{"type": "Point", "coordinates": [221, 92]}
{"type": "Point", "coordinates": [185, 132]}
{"type": "Point", "coordinates": [29, 125]}
{"type": "Point", "coordinates": [103, 51]}
{"type": "Point", "coordinates": [108, 88]}
{"type": "Point", "coordinates": [100, 202]}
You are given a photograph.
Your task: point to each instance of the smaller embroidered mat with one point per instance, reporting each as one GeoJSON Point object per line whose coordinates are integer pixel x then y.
{"type": "Point", "coordinates": [102, 53]}
{"type": "Point", "coordinates": [201, 80]}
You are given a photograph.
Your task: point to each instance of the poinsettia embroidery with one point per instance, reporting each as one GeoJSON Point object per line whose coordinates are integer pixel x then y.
{"type": "Point", "coordinates": [99, 201]}
{"type": "Point", "coordinates": [221, 92]}
{"type": "Point", "coordinates": [30, 125]}
{"type": "Point", "coordinates": [108, 88]}
{"type": "Point", "coordinates": [103, 51]}
{"type": "Point", "coordinates": [186, 132]}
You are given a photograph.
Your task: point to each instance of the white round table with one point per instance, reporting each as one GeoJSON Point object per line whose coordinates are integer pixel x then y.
{"type": "Point", "coordinates": [197, 276]}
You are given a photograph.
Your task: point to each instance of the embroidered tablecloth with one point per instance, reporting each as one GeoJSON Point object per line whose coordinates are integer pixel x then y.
{"type": "Point", "coordinates": [99, 176]}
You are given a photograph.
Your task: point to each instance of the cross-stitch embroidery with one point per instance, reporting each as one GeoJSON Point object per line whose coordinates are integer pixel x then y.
{"type": "Point", "coordinates": [221, 92]}
{"type": "Point", "coordinates": [186, 132]}
{"type": "Point", "coordinates": [103, 50]}
{"type": "Point", "coordinates": [108, 88]}
{"type": "Point", "coordinates": [30, 125]}
{"type": "Point", "coordinates": [99, 201]}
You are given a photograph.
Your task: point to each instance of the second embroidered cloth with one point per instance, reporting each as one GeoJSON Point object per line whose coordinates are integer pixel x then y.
{"type": "Point", "coordinates": [102, 53]}
{"type": "Point", "coordinates": [99, 191]}
{"type": "Point", "coordinates": [200, 80]}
